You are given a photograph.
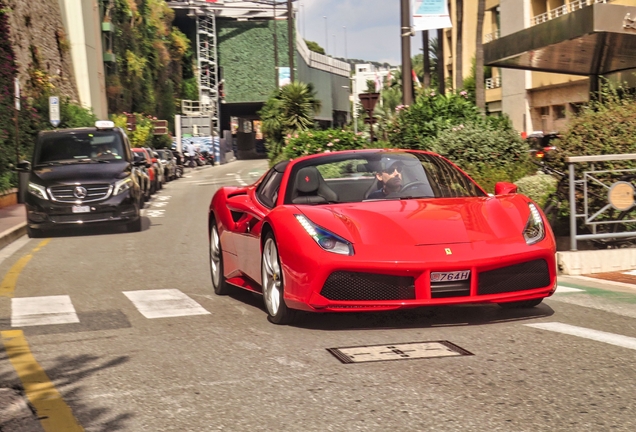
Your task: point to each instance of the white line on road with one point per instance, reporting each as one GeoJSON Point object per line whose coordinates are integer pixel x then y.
{"type": "Point", "coordinates": [12, 248]}
{"type": "Point", "coordinates": [164, 303]}
{"type": "Point", "coordinates": [597, 335]}
{"type": "Point", "coordinates": [32, 311]}
{"type": "Point", "coordinates": [563, 289]}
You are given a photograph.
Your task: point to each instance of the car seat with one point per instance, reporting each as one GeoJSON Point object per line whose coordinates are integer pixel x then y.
{"type": "Point", "coordinates": [311, 188]}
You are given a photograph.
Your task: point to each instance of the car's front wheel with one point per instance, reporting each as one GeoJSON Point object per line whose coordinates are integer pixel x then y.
{"type": "Point", "coordinates": [525, 304]}
{"type": "Point", "coordinates": [273, 286]}
{"type": "Point", "coordinates": [216, 262]}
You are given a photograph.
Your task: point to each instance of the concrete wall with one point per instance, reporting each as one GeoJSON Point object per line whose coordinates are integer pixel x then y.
{"type": "Point", "coordinates": [83, 25]}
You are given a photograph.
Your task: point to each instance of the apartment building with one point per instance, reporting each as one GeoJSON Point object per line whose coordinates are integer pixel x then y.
{"type": "Point", "coordinates": [545, 56]}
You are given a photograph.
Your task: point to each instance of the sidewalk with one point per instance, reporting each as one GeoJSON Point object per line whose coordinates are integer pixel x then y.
{"type": "Point", "coordinates": [12, 223]}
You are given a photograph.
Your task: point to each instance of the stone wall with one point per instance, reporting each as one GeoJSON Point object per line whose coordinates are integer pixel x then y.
{"type": "Point", "coordinates": [37, 32]}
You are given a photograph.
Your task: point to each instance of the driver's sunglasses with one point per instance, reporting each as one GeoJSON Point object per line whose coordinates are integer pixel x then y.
{"type": "Point", "coordinates": [390, 171]}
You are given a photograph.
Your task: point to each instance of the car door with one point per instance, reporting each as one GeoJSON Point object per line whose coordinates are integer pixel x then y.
{"type": "Point", "coordinates": [253, 207]}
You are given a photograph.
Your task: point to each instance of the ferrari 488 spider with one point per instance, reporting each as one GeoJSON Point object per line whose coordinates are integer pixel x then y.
{"type": "Point", "coordinates": [372, 230]}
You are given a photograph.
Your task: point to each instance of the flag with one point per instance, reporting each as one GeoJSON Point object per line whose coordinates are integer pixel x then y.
{"type": "Point", "coordinates": [416, 80]}
{"type": "Point", "coordinates": [430, 15]}
{"type": "Point", "coordinates": [378, 83]}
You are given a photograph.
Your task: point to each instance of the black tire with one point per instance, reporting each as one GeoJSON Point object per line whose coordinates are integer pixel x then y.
{"type": "Point", "coordinates": [134, 226]}
{"type": "Point", "coordinates": [216, 262]}
{"type": "Point", "coordinates": [525, 304]}
{"type": "Point", "coordinates": [34, 233]}
{"type": "Point", "coordinates": [273, 285]}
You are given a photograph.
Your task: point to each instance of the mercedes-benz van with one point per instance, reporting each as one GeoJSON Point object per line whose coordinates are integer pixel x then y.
{"type": "Point", "coordinates": [81, 177]}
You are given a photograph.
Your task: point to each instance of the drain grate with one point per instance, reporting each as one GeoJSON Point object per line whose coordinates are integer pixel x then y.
{"type": "Point", "coordinates": [403, 351]}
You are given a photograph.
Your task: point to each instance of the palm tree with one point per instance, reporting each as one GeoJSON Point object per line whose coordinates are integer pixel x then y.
{"type": "Point", "coordinates": [426, 59]}
{"type": "Point", "coordinates": [441, 85]}
{"type": "Point", "coordinates": [459, 64]}
{"type": "Point", "coordinates": [479, 58]}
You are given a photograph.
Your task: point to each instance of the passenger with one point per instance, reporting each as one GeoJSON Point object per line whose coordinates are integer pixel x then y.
{"type": "Point", "coordinates": [391, 179]}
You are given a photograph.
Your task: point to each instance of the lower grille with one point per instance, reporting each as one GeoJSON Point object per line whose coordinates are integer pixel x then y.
{"type": "Point", "coordinates": [518, 277]}
{"type": "Point", "coordinates": [342, 285]}
{"type": "Point", "coordinates": [85, 217]}
{"type": "Point", "coordinates": [450, 289]}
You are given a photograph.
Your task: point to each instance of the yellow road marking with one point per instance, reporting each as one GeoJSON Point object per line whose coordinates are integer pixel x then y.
{"type": "Point", "coordinates": [52, 411]}
{"type": "Point", "coordinates": [7, 287]}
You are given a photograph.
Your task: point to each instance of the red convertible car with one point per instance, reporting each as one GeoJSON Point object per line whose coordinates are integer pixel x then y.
{"type": "Point", "coordinates": [336, 232]}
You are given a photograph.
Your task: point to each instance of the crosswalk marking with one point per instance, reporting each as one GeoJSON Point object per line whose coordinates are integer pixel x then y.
{"type": "Point", "coordinates": [564, 289]}
{"type": "Point", "coordinates": [164, 303]}
{"type": "Point", "coordinates": [33, 311]}
{"type": "Point", "coordinates": [596, 335]}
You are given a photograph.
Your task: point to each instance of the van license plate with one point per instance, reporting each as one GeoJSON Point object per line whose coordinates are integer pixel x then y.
{"type": "Point", "coordinates": [450, 276]}
{"type": "Point", "coordinates": [81, 209]}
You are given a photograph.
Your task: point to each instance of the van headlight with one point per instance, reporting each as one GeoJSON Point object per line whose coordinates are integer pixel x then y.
{"type": "Point", "coordinates": [123, 185]}
{"type": "Point", "coordinates": [38, 191]}
{"type": "Point", "coordinates": [326, 239]}
{"type": "Point", "coordinates": [535, 229]}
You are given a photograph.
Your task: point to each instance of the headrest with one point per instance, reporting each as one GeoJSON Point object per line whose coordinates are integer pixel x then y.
{"type": "Point", "coordinates": [308, 179]}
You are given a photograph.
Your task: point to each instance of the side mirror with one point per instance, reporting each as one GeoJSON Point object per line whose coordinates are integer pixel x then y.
{"type": "Point", "coordinates": [24, 166]}
{"type": "Point", "coordinates": [504, 188]}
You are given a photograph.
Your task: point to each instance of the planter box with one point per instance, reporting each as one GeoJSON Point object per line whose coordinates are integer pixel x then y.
{"type": "Point", "coordinates": [9, 198]}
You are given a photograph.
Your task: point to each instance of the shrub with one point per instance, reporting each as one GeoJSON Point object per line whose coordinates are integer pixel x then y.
{"type": "Point", "coordinates": [321, 141]}
{"type": "Point", "coordinates": [538, 187]}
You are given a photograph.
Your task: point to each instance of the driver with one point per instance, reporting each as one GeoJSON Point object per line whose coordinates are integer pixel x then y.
{"type": "Point", "coordinates": [103, 150]}
{"type": "Point", "coordinates": [391, 179]}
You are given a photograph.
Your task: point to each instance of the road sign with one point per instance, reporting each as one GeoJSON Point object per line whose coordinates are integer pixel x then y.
{"type": "Point", "coordinates": [54, 110]}
{"type": "Point", "coordinates": [160, 127]}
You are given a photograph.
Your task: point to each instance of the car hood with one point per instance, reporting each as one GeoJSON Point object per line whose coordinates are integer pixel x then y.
{"type": "Point", "coordinates": [425, 221]}
{"type": "Point", "coordinates": [80, 173]}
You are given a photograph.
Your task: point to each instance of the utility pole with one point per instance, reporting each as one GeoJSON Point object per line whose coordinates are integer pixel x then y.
{"type": "Point", "coordinates": [275, 47]}
{"type": "Point", "coordinates": [17, 114]}
{"type": "Point", "coordinates": [290, 37]}
{"type": "Point", "coordinates": [405, 31]}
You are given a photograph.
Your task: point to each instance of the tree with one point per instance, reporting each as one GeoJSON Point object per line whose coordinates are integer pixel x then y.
{"type": "Point", "coordinates": [441, 85]}
{"type": "Point", "coordinates": [479, 58]}
{"type": "Point", "coordinates": [426, 59]}
{"type": "Point", "coordinates": [459, 57]}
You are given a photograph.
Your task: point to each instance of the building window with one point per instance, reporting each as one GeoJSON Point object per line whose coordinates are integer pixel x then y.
{"type": "Point", "coordinates": [559, 111]}
{"type": "Point", "coordinates": [576, 107]}
{"type": "Point", "coordinates": [544, 111]}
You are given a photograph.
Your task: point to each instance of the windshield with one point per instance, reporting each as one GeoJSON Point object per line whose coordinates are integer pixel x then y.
{"type": "Point", "coordinates": [356, 177]}
{"type": "Point", "coordinates": [79, 146]}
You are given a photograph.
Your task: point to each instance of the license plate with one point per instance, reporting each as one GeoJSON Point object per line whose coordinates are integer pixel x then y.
{"type": "Point", "coordinates": [450, 276]}
{"type": "Point", "coordinates": [81, 209]}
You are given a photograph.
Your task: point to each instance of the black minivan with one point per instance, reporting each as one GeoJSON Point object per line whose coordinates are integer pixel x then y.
{"type": "Point", "coordinates": [80, 177]}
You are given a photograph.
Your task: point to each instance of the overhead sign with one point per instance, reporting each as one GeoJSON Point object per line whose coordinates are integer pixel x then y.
{"type": "Point", "coordinates": [430, 15]}
{"type": "Point", "coordinates": [54, 110]}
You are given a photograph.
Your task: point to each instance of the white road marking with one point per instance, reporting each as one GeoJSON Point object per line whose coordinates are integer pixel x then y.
{"type": "Point", "coordinates": [631, 272]}
{"type": "Point", "coordinates": [563, 289]}
{"type": "Point", "coordinates": [32, 311]}
{"type": "Point", "coordinates": [164, 303]}
{"type": "Point", "coordinates": [240, 181]}
{"type": "Point", "coordinates": [152, 213]}
{"type": "Point", "coordinates": [12, 248]}
{"type": "Point", "coordinates": [159, 204]}
{"type": "Point", "coordinates": [596, 335]}
{"type": "Point", "coordinates": [164, 197]}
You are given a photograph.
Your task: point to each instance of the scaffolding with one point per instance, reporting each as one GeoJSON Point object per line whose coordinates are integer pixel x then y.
{"type": "Point", "coordinates": [207, 68]}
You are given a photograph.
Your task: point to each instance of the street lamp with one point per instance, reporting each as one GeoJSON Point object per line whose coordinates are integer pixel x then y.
{"type": "Point", "coordinates": [345, 41]}
{"type": "Point", "coordinates": [326, 36]}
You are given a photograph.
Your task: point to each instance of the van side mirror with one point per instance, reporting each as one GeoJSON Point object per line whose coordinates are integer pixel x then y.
{"type": "Point", "coordinates": [24, 166]}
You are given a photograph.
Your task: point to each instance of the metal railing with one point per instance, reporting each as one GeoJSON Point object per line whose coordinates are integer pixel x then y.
{"type": "Point", "coordinates": [493, 83]}
{"type": "Point", "coordinates": [620, 197]}
{"type": "Point", "coordinates": [320, 61]}
{"type": "Point", "coordinates": [492, 36]}
{"type": "Point", "coordinates": [563, 10]}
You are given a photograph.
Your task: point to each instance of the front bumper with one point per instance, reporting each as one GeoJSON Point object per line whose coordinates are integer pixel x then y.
{"type": "Point", "coordinates": [44, 214]}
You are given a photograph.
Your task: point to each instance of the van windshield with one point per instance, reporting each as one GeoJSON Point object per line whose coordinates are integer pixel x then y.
{"type": "Point", "coordinates": [79, 147]}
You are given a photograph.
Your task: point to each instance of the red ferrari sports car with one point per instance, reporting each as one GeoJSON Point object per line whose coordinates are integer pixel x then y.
{"type": "Point", "coordinates": [371, 230]}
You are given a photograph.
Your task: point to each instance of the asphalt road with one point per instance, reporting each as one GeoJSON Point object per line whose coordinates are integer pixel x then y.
{"type": "Point", "coordinates": [120, 364]}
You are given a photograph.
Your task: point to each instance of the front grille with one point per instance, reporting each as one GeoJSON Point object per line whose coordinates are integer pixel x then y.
{"type": "Point", "coordinates": [82, 217]}
{"type": "Point", "coordinates": [93, 193]}
{"type": "Point", "coordinates": [518, 277]}
{"type": "Point", "coordinates": [343, 285]}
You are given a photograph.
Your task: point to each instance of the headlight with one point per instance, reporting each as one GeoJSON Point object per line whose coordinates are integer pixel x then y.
{"type": "Point", "coordinates": [122, 186]}
{"type": "Point", "coordinates": [325, 239]}
{"type": "Point", "coordinates": [535, 230]}
{"type": "Point", "coordinates": [38, 191]}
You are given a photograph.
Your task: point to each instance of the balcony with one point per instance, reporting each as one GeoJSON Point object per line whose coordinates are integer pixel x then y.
{"type": "Point", "coordinates": [563, 10]}
{"type": "Point", "coordinates": [493, 83]}
{"type": "Point", "coordinates": [491, 36]}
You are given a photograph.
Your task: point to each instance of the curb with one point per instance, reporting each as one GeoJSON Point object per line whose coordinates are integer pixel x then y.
{"type": "Point", "coordinates": [12, 234]}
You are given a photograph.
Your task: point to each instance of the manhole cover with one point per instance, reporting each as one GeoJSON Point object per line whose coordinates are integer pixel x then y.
{"type": "Point", "coordinates": [403, 351]}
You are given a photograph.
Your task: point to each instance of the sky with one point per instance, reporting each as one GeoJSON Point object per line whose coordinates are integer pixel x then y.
{"type": "Point", "coordinates": [372, 28]}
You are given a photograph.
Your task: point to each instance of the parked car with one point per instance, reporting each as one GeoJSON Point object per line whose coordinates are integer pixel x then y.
{"type": "Point", "coordinates": [141, 170]}
{"type": "Point", "coordinates": [152, 169]}
{"type": "Point", "coordinates": [169, 164]}
{"type": "Point", "coordinates": [307, 236]}
{"type": "Point", "coordinates": [158, 167]}
{"type": "Point", "coordinates": [79, 177]}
